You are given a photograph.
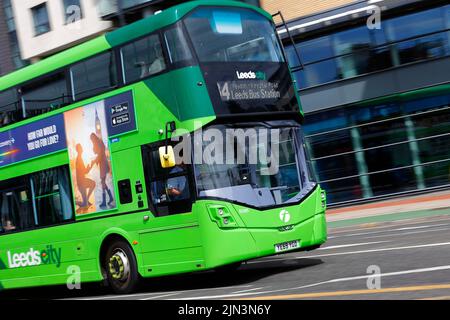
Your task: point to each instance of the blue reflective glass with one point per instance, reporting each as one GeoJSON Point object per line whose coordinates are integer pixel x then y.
{"type": "Point", "coordinates": [426, 104]}
{"type": "Point", "coordinates": [325, 121]}
{"type": "Point", "coordinates": [374, 113]}
{"type": "Point", "coordinates": [378, 36]}
{"type": "Point", "coordinates": [352, 40]}
{"type": "Point", "coordinates": [415, 24]}
{"type": "Point", "coordinates": [447, 16]}
{"type": "Point", "coordinates": [362, 50]}
{"type": "Point", "coordinates": [292, 56]}
{"type": "Point", "coordinates": [321, 72]}
{"type": "Point", "coordinates": [428, 47]}
{"type": "Point", "coordinates": [316, 49]}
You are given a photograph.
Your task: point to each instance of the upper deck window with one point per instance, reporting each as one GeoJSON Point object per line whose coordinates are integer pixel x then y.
{"type": "Point", "coordinates": [93, 76]}
{"type": "Point", "coordinates": [143, 58]}
{"type": "Point", "coordinates": [233, 35]}
{"type": "Point", "coordinates": [177, 45]}
{"type": "Point", "coordinates": [10, 110]}
{"type": "Point", "coordinates": [44, 95]}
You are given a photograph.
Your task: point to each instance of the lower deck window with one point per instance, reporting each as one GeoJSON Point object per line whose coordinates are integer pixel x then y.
{"type": "Point", "coordinates": [36, 200]}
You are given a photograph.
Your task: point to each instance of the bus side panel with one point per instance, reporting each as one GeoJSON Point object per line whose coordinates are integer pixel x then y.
{"type": "Point", "coordinates": [171, 244]}
{"type": "Point", "coordinates": [39, 257]}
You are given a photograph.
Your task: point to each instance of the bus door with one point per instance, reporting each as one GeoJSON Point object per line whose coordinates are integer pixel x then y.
{"type": "Point", "coordinates": [172, 237]}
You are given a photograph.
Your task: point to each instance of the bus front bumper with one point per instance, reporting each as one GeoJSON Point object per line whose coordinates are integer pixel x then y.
{"type": "Point", "coordinates": [250, 235]}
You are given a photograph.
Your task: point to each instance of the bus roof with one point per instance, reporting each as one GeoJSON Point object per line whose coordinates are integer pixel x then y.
{"type": "Point", "coordinates": [112, 39]}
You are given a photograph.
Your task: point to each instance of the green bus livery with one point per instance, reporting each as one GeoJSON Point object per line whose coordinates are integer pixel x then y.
{"type": "Point", "coordinates": [110, 163]}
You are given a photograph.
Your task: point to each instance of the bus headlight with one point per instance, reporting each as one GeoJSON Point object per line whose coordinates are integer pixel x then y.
{"type": "Point", "coordinates": [323, 197]}
{"type": "Point", "coordinates": [222, 216]}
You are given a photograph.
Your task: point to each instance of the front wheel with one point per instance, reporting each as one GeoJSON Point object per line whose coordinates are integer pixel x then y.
{"type": "Point", "coordinates": [121, 268]}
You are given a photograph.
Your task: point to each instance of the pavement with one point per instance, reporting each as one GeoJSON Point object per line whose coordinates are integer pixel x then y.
{"type": "Point", "coordinates": [373, 252]}
{"type": "Point", "coordinates": [424, 202]}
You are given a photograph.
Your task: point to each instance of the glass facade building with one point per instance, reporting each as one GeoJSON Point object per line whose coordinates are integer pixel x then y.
{"type": "Point", "coordinates": [391, 143]}
{"type": "Point", "coordinates": [359, 50]}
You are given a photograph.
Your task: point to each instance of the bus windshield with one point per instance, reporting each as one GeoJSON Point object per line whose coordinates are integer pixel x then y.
{"type": "Point", "coordinates": [233, 35]}
{"type": "Point", "coordinates": [260, 167]}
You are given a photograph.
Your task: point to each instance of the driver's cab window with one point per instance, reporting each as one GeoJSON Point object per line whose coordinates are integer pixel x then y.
{"type": "Point", "coordinates": [169, 189]}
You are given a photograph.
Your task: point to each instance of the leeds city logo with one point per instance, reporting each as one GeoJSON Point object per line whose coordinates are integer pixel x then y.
{"type": "Point", "coordinates": [285, 216]}
{"type": "Point", "coordinates": [33, 257]}
{"type": "Point", "coordinates": [250, 75]}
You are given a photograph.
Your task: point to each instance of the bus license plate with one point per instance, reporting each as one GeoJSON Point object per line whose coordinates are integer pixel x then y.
{"type": "Point", "coordinates": [285, 246]}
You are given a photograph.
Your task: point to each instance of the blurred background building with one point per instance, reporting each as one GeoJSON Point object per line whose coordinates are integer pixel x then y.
{"type": "Point", "coordinates": [10, 56]}
{"type": "Point", "coordinates": [373, 77]}
{"type": "Point", "coordinates": [47, 27]}
{"type": "Point", "coordinates": [375, 89]}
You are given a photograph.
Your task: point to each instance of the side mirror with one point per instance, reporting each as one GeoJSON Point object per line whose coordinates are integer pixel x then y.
{"type": "Point", "coordinates": [167, 158]}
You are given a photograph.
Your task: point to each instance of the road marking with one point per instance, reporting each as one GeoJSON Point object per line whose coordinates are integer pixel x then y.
{"type": "Point", "coordinates": [396, 273]}
{"type": "Point", "coordinates": [369, 225]}
{"type": "Point", "coordinates": [123, 296]}
{"type": "Point", "coordinates": [352, 245]}
{"type": "Point", "coordinates": [254, 289]}
{"type": "Point", "coordinates": [389, 274]}
{"type": "Point", "coordinates": [160, 296]}
{"type": "Point", "coordinates": [356, 252]}
{"type": "Point", "coordinates": [156, 293]}
{"type": "Point", "coordinates": [352, 292]}
{"type": "Point", "coordinates": [419, 227]}
{"type": "Point", "coordinates": [437, 298]}
{"type": "Point", "coordinates": [389, 230]}
{"type": "Point", "coordinates": [405, 233]}
{"type": "Point", "coordinates": [379, 250]}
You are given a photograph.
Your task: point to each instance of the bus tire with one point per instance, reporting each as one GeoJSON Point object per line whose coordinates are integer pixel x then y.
{"type": "Point", "coordinates": [121, 268]}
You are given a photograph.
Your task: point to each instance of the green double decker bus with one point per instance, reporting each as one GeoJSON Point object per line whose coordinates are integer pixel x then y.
{"type": "Point", "coordinates": [167, 146]}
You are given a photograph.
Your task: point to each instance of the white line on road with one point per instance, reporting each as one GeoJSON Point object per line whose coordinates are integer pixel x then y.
{"type": "Point", "coordinates": [385, 231]}
{"type": "Point", "coordinates": [254, 289]}
{"type": "Point", "coordinates": [421, 227]}
{"type": "Point", "coordinates": [405, 233]}
{"type": "Point", "coordinates": [160, 296]}
{"type": "Point", "coordinates": [157, 293]}
{"type": "Point", "coordinates": [389, 274]}
{"type": "Point", "coordinates": [351, 245]}
{"type": "Point", "coordinates": [357, 252]}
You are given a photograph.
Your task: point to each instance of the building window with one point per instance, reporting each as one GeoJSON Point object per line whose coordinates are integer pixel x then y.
{"type": "Point", "coordinates": [40, 17]}
{"type": "Point", "coordinates": [11, 26]}
{"type": "Point", "coordinates": [9, 16]}
{"type": "Point", "coordinates": [72, 11]}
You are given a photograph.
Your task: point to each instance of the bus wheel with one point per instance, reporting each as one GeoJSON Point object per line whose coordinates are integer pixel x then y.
{"type": "Point", "coordinates": [121, 268]}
